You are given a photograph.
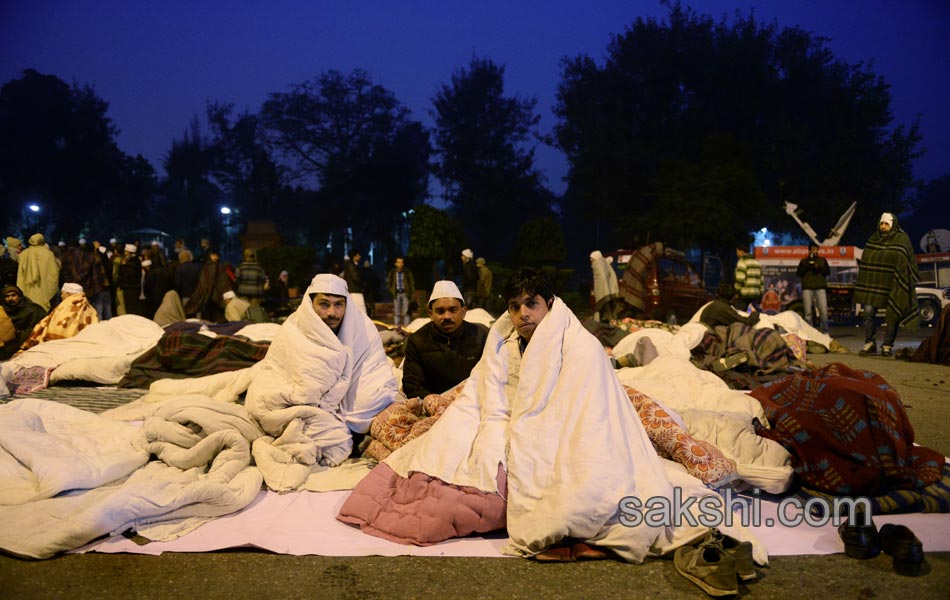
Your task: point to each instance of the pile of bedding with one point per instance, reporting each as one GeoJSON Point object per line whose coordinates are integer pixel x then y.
{"type": "Point", "coordinates": [101, 353]}
{"type": "Point", "coordinates": [71, 476]}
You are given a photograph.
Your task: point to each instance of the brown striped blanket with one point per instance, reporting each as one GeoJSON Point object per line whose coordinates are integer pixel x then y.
{"type": "Point", "coordinates": [769, 355]}
{"type": "Point", "coordinates": [180, 355]}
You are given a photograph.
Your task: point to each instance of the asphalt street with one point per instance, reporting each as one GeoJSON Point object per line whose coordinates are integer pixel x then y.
{"type": "Point", "coordinates": [925, 390]}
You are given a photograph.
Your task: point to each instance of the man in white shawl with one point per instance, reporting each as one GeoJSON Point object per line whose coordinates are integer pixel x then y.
{"type": "Point", "coordinates": [323, 380]}
{"type": "Point", "coordinates": [545, 404]}
{"type": "Point", "coordinates": [606, 288]}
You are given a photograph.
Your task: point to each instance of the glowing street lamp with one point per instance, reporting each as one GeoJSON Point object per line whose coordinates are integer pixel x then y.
{"type": "Point", "coordinates": [34, 208]}
{"type": "Point", "coordinates": [225, 210]}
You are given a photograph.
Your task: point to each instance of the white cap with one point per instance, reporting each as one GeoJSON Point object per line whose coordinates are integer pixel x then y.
{"type": "Point", "coordinates": [228, 295]}
{"type": "Point", "coordinates": [102, 249]}
{"type": "Point", "coordinates": [146, 263]}
{"type": "Point", "coordinates": [327, 283]}
{"type": "Point", "coordinates": [468, 253]}
{"type": "Point", "coordinates": [887, 218]}
{"type": "Point", "coordinates": [82, 240]}
{"type": "Point", "coordinates": [72, 288]}
{"type": "Point", "coordinates": [596, 254]}
{"type": "Point", "coordinates": [130, 248]}
{"type": "Point", "coordinates": [60, 243]}
{"type": "Point", "coordinates": [445, 289]}
{"type": "Point", "coordinates": [113, 240]}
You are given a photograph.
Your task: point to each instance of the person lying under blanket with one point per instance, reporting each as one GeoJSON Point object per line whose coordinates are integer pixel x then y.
{"type": "Point", "coordinates": [321, 383]}
{"type": "Point", "coordinates": [544, 441]}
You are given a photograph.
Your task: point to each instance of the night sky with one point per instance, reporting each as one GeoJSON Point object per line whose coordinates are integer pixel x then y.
{"type": "Point", "coordinates": [158, 63]}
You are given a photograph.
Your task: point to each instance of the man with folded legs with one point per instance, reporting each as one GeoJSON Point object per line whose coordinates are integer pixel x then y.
{"type": "Point", "coordinates": [443, 352]}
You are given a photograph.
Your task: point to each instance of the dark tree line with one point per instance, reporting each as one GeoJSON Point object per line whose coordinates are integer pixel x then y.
{"type": "Point", "coordinates": [691, 131]}
{"type": "Point", "coordinates": [58, 153]}
{"type": "Point", "coordinates": [694, 131]}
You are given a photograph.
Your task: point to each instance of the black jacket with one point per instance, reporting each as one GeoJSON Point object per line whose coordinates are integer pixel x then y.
{"type": "Point", "coordinates": [720, 312]}
{"type": "Point", "coordinates": [813, 273]}
{"type": "Point", "coordinates": [436, 362]}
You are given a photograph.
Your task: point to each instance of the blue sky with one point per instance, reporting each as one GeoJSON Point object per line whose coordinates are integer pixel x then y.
{"type": "Point", "coordinates": [158, 63]}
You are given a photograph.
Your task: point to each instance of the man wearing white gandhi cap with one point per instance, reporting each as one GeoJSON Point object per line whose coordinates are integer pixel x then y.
{"type": "Point", "coordinates": [442, 352]}
{"type": "Point", "coordinates": [323, 380]}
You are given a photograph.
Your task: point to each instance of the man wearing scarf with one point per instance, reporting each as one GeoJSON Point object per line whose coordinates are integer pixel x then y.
{"type": "Point", "coordinates": [24, 315]}
{"type": "Point", "coordinates": [887, 275]}
{"type": "Point", "coordinates": [38, 274]}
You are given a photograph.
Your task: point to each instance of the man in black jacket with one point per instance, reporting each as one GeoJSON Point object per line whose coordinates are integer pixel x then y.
{"type": "Point", "coordinates": [813, 270]}
{"type": "Point", "coordinates": [443, 352]}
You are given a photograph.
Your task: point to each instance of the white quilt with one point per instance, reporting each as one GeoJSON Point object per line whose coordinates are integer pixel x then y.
{"type": "Point", "coordinates": [568, 437]}
{"type": "Point", "coordinates": [68, 477]}
{"type": "Point", "coordinates": [706, 406]}
{"type": "Point", "coordinates": [100, 353]}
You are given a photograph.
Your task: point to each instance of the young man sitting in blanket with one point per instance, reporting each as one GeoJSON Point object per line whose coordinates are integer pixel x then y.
{"type": "Point", "coordinates": [323, 380]}
{"type": "Point", "coordinates": [545, 429]}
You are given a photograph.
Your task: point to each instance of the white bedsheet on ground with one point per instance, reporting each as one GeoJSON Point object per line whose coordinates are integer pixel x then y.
{"type": "Point", "coordinates": [305, 523]}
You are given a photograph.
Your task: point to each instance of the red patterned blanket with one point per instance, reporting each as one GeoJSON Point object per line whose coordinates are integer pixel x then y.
{"type": "Point", "coordinates": [847, 431]}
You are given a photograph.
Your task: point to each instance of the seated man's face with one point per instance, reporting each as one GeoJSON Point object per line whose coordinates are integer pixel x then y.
{"type": "Point", "coordinates": [526, 313]}
{"type": "Point", "coordinates": [447, 314]}
{"type": "Point", "coordinates": [11, 298]}
{"type": "Point", "coordinates": [330, 308]}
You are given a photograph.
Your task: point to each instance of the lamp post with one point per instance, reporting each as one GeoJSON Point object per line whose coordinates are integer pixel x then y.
{"type": "Point", "coordinates": [31, 217]}
{"type": "Point", "coordinates": [226, 212]}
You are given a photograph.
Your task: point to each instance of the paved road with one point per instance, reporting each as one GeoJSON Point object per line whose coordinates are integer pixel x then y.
{"type": "Point", "coordinates": [925, 389]}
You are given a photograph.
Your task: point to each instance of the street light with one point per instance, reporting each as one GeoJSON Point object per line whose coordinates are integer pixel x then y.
{"type": "Point", "coordinates": [34, 208]}
{"type": "Point", "coordinates": [226, 212]}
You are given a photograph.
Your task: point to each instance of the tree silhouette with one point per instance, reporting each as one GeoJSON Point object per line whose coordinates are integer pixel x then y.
{"type": "Point", "coordinates": [58, 151]}
{"type": "Point", "coordinates": [190, 199]}
{"type": "Point", "coordinates": [356, 141]}
{"type": "Point", "coordinates": [691, 116]}
{"type": "Point", "coordinates": [484, 158]}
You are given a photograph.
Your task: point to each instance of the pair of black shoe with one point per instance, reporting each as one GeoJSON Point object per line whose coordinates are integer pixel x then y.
{"type": "Point", "coordinates": [863, 541]}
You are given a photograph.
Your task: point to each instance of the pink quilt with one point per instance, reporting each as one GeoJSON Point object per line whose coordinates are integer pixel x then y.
{"type": "Point", "coordinates": [422, 510]}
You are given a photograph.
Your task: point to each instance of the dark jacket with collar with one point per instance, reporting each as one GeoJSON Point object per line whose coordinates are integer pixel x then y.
{"type": "Point", "coordinates": [436, 362]}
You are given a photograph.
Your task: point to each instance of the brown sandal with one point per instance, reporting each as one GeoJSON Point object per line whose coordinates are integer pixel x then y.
{"type": "Point", "coordinates": [555, 554]}
{"type": "Point", "coordinates": [581, 551]}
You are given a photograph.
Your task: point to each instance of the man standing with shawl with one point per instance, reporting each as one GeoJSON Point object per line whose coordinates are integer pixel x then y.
{"type": "Point", "coordinates": [38, 274]}
{"type": "Point", "coordinates": [886, 278]}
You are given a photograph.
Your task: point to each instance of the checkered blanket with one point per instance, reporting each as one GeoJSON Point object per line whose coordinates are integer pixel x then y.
{"type": "Point", "coordinates": [887, 276]}
{"type": "Point", "coordinates": [180, 354]}
{"type": "Point", "coordinates": [847, 431]}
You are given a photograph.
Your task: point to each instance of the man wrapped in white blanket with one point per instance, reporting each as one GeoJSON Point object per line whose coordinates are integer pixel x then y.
{"type": "Point", "coordinates": [545, 403]}
{"type": "Point", "coordinates": [325, 375]}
